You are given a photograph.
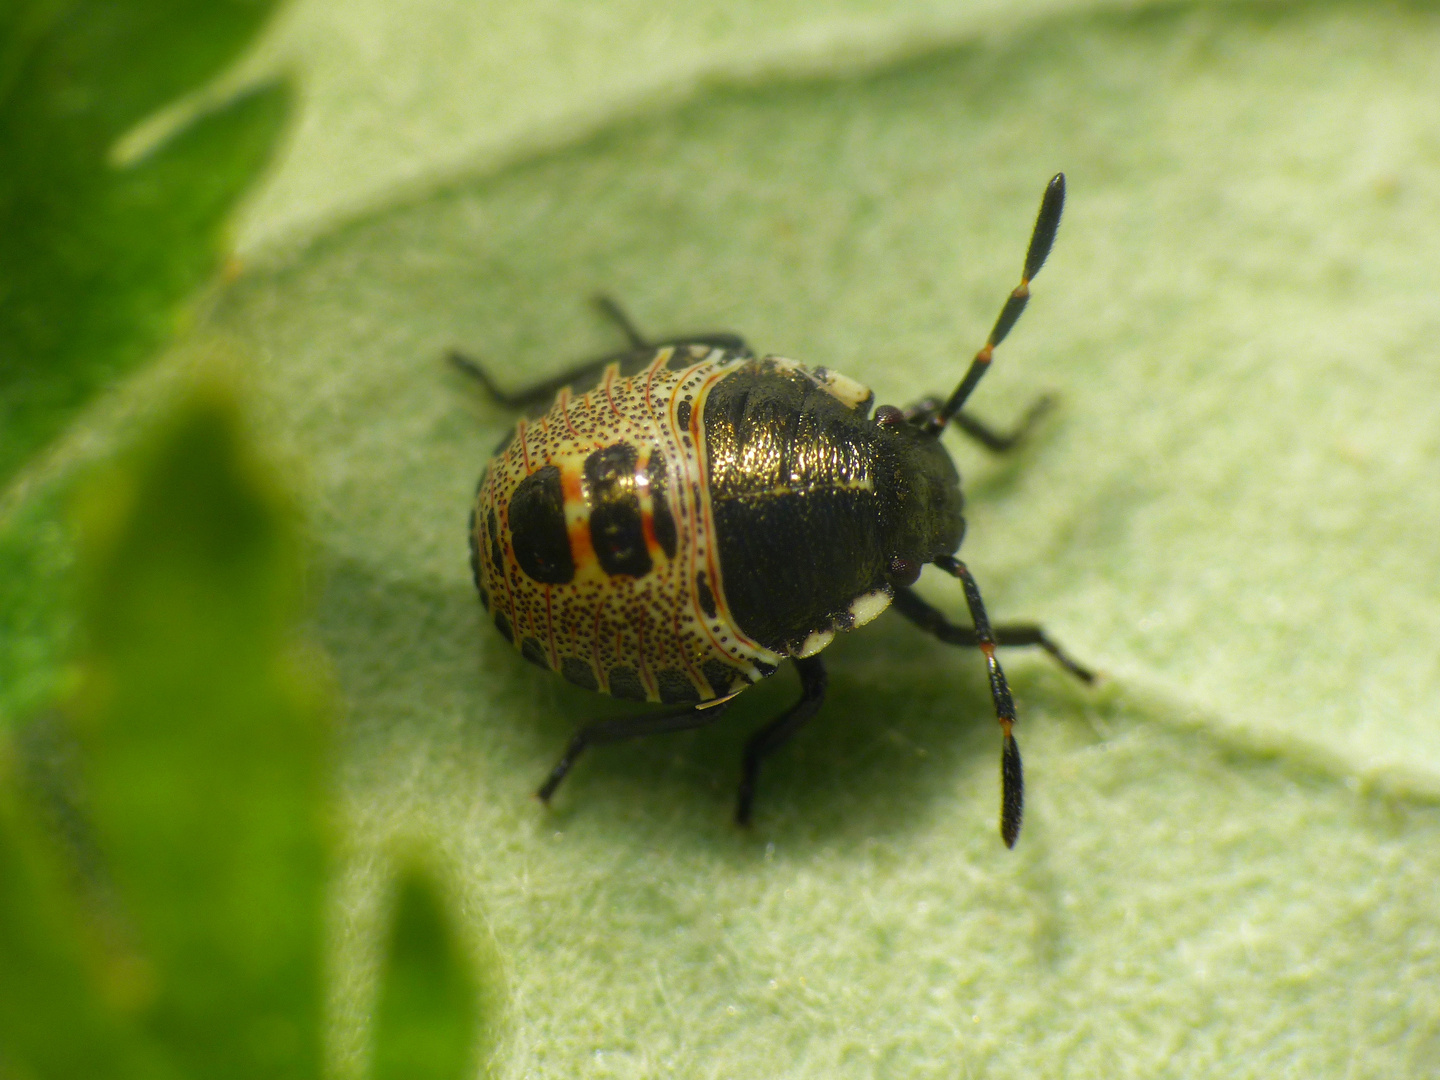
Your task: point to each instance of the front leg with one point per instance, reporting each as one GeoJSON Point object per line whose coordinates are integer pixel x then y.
{"type": "Point", "coordinates": [986, 637]}
{"type": "Point", "coordinates": [932, 621]}
{"type": "Point", "coordinates": [997, 442]}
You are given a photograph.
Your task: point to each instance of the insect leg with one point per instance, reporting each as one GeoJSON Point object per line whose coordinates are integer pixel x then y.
{"type": "Point", "coordinates": [542, 392]}
{"type": "Point", "coordinates": [1012, 776]}
{"type": "Point", "coordinates": [715, 339]}
{"type": "Point", "coordinates": [997, 442]}
{"type": "Point", "coordinates": [589, 371]}
{"type": "Point", "coordinates": [585, 371]}
{"type": "Point", "coordinates": [1047, 222]}
{"type": "Point", "coordinates": [931, 620]}
{"type": "Point", "coordinates": [619, 728]}
{"type": "Point", "coordinates": [779, 731]}
{"type": "Point", "coordinates": [616, 314]}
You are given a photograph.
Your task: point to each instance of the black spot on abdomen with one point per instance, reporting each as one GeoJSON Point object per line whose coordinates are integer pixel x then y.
{"type": "Point", "coordinates": [533, 651]}
{"type": "Point", "coordinates": [625, 683]}
{"type": "Point", "coordinates": [705, 596]}
{"type": "Point", "coordinates": [537, 528]}
{"type": "Point", "coordinates": [675, 686]}
{"type": "Point", "coordinates": [720, 675]}
{"type": "Point", "coordinates": [579, 672]}
{"type": "Point", "coordinates": [616, 530]}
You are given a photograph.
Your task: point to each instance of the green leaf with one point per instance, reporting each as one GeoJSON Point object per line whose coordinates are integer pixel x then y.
{"type": "Point", "coordinates": [96, 258]}
{"type": "Point", "coordinates": [53, 1021]}
{"type": "Point", "coordinates": [1230, 853]}
{"type": "Point", "coordinates": [396, 104]}
{"type": "Point", "coordinates": [204, 747]}
{"type": "Point", "coordinates": [425, 1018]}
{"type": "Point", "coordinates": [38, 604]}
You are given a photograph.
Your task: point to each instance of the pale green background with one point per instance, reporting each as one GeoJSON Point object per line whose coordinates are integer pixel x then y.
{"type": "Point", "coordinates": [1230, 860]}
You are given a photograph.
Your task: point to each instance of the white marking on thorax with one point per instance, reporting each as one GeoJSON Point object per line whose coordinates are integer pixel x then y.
{"type": "Point", "coordinates": [865, 608]}
{"type": "Point", "coordinates": [814, 643]}
{"type": "Point", "coordinates": [842, 388]}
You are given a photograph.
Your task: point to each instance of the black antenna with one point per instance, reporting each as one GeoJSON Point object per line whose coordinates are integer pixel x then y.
{"type": "Point", "coordinates": [1041, 240]}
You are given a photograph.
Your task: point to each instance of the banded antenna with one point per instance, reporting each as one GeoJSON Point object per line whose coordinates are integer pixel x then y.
{"type": "Point", "coordinates": [1047, 223]}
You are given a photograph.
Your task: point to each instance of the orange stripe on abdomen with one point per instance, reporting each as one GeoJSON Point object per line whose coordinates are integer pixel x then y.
{"type": "Point", "coordinates": [577, 516]}
{"type": "Point", "coordinates": [647, 503]}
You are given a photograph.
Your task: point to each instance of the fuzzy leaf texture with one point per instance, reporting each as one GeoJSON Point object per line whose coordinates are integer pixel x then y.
{"type": "Point", "coordinates": [1230, 848]}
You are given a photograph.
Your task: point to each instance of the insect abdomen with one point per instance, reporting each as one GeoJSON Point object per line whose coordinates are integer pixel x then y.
{"type": "Point", "coordinates": [799, 489]}
{"type": "Point", "coordinates": [594, 544]}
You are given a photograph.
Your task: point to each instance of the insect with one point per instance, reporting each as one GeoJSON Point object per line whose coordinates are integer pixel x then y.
{"type": "Point", "coordinates": [685, 516]}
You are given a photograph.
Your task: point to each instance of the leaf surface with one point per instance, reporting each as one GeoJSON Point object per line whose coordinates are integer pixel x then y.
{"type": "Point", "coordinates": [1229, 856]}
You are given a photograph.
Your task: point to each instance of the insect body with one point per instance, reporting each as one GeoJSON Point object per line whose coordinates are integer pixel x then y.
{"type": "Point", "coordinates": [686, 516]}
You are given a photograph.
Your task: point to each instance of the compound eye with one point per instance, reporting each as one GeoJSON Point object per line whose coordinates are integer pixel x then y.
{"type": "Point", "coordinates": [904, 571]}
{"type": "Point", "coordinates": [888, 416]}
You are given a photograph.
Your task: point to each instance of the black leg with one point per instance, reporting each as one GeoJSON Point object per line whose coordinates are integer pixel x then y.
{"type": "Point", "coordinates": [931, 620]}
{"type": "Point", "coordinates": [539, 393]}
{"type": "Point", "coordinates": [620, 728]}
{"type": "Point", "coordinates": [716, 339]}
{"type": "Point", "coordinates": [1012, 776]}
{"type": "Point", "coordinates": [779, 731]}
{"type": "Point", "coordinates": [616, 314]}
{"type": "Point", "coordinates": [589, 370]}
{"type": "Point", "coordinates": [640, 343]}
{"type": "Point", "coordinates": [997, 442]}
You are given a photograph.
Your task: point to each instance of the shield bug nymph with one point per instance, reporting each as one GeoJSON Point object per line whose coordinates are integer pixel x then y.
{"type": "Point", "coordinates": [681, 517]}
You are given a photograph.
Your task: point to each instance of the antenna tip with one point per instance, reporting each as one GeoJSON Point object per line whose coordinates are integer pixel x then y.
{"type": "Point", "coordinates": [1012, 791]}
{"type": "Point", "coordinates": [1047, 223]}
{"type": "Point", "coordinates": [1054, 198]}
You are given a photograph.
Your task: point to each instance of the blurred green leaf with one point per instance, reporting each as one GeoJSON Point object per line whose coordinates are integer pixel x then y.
{"type": "Point", "coordinates": [204, 745]}
{"type": "Point", "coordinates": [38, 604]}
{"type": "Point", "coordinates": [54, 1023]}
{"type": "Point", "coordinates": [425, 1017]}
{"type": "Point", "coordinates": [95, 257]}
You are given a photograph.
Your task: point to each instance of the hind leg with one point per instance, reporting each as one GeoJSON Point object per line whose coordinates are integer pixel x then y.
{"type": "Point", "coordinates": [589, 371]}
{"type": "Point", "coordinates": [620, 728]}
